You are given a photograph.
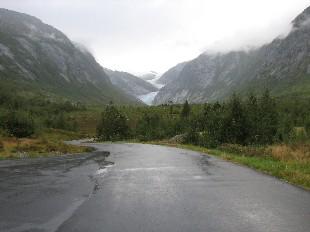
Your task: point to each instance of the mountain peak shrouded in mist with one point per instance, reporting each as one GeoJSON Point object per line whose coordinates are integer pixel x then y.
{"type": "Point", "coordinates": [303, 19]}
{"type": "Point", "coordinates": [38, 52]}
{"type": "Point", "coordinates": [23, 25]}
{"type": "Point", "coordinates": [283, 66]}
{"type": "Point", "coordinates": [38, 57]}
{"type": "Point", "coordinates": [156, 34]}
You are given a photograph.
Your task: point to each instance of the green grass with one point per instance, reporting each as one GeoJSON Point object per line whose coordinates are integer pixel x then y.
{"type": "Point", "coordinates": [292, 171]}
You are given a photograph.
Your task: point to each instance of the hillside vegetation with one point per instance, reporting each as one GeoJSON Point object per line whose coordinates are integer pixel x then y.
{"type": "Point", "coordinates": [32, 125]}
{"type": "Point", "coordinates": [268, 134]}
{"type": "Point", "coordinates": [36, 57]}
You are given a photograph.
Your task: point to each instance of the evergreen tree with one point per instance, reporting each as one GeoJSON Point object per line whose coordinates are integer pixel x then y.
{"type": "Point", "coordinates": [253, 119]}
{"type": "Point", "coordinates": [213, 125]}
{"type": "Point", "coordinates": [149, 127]}
{"type": "Point", "coordinates": [113, 125]}
{"type": "Point", "coordinates": [185, 110]}
{"type": "Point", "coordinates": [268, 119]}
{"type": "Point", "coordinates": [235, 122]}
{"type": "Point", "coordinates": [60, 122]}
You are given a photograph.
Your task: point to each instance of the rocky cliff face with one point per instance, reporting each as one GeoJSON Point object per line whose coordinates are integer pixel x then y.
{"type": "Point", "coordinates": [172, 74]}
{"type": "Point", "coordinates": [38, 55]}
{"type": "Point", "coordinates": [282, 66]}
{"type": "Point", "coordinates": [206, 78]}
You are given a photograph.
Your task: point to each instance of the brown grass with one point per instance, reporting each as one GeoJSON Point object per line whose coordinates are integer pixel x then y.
{"type": "Point", "coordinates": [50, 143]}
{"type": "Point", "coordinates": [296, 152]}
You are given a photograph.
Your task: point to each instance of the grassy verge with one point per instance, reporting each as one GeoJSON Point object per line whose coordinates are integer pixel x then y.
{"type": "Point", "coordinates": [289, 163]}
{"type": "Point", "coordinates": [48, 143]}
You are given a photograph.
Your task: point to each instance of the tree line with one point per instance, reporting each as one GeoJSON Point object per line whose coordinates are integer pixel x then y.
{"type": "Point", "coordinates": [254, 120]}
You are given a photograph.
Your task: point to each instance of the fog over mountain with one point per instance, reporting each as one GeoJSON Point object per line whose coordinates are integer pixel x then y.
{"type": "Point", "coordinates": [219, 49]}
{"type": "Point", "coordinates": [137, 36]}
{"type": "Point", "coordinates": [132, 85]}
{"type": "Point", "coordinates": [282, 66]}
{"type": "Point", "coordinates": [38, 58]}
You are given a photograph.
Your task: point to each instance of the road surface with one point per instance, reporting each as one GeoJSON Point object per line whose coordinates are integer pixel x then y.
{"type": "Point", "coordinates": [146, 188]}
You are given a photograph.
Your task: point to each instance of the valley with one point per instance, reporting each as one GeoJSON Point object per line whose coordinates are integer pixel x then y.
{"type": "Point", "coordinates": [220, 142]}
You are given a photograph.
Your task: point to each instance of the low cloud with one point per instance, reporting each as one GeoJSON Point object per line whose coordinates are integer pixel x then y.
{"type": "Point", "coordinates": [139, 35]}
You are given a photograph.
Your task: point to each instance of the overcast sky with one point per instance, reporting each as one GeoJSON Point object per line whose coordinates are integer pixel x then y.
{"type": "Point", "coordinates": [143, 35]}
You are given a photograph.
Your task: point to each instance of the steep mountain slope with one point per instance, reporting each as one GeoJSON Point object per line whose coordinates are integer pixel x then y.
{"type": "Point", "coordinates": [129, 83]}
{"type": "Point", "coordinates": [37, 57]}
{"type": "Point", "coordinates": [172, 74]}
{"type": "Point", "coordinates": [207, 78]}
{"type": "Point", "coordinates": [282, 66]}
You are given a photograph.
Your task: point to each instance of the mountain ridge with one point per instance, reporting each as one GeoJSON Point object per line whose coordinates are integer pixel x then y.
{"type": "Point", "coordinates": [129, 83]}
{"type": "Point", "coordinates": [35, 54]}
{"type": "Point", "coordinates": [282, 66]}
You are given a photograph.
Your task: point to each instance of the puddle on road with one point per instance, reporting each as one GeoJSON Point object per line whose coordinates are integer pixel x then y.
{"type": "Point", "coordinates": [205, 164]}
{"type": "Point", "coordinates": [101, 171]}
{"type": "Point", "coordinates": [104, 170]}
{"type": "Point", "coordinates": [97, 177]}
{"type": "Point", "coordinates": [146, 169]}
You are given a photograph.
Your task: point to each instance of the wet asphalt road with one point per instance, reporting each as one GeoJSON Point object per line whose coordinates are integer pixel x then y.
{"type": "Point", "coordinates": [146, 188]}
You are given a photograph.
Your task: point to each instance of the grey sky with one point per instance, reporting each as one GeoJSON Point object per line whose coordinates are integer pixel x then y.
{"type": "Point", "coordinates": [143, 35]}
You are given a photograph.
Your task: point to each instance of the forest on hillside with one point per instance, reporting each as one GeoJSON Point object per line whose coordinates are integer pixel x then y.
{"type": "Point", "coordinates": [254, 120]}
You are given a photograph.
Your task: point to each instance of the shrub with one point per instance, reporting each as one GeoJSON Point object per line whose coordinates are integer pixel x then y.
{"type": "Point", "coordinates": [307, 126]}
{"type": "Point", "coordinates": [150, 127]}
{"type": "Point", "coordinates": [191, 137]}
{"type": "Point", "coordinates": [186, 110]}
{"type": "Point", "coordinates": [113, 125]}
{"type": "Point", "coordinates": [20, 124]}
{"type": "Point", "coordinates": [3, 132]}
{"type": "Point", "coordinates": [60, 121]}
{"type": "Point", "coordinates": [235, 126]}
{"type": "Point", "coordinates": [2, 122]}
{"type": "Point", "coordinates": [1, 146]}
{"type": "Point", "coordinates": [299, 134]}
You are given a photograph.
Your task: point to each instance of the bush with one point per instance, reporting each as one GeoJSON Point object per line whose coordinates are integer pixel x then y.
{"type": "Point", "coordinates": [298, 134]}
{"type": "Point", "coordinates": [113, 125]}
{"type": "Point", "coordinates": [1, 146]}
{"type": "Point", "coordinates": [307, 126]}
{"type": "Point", "coordinates": [20, 124]}
{"type": "Point", "coordinates": [61, 121]}
{"type": "Point", "coordinates": [150, 127]}
{"type": "Point", "coordinates": [209, 140]}
{"type": "Point", "coordinates": [191, 137]}
{"type": "Point", "coordinates": [2, 121]}
{"type": "Point", "coordinates": [3, 132]}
